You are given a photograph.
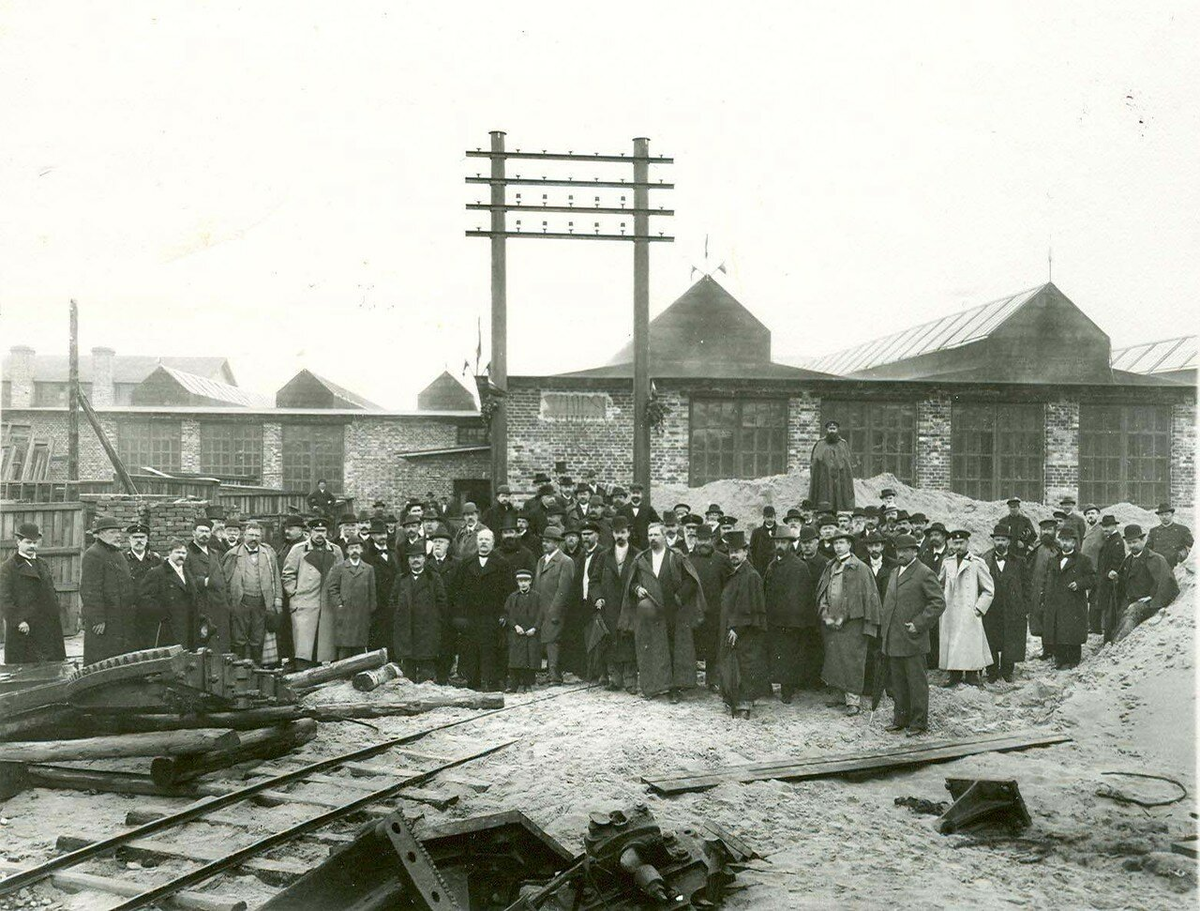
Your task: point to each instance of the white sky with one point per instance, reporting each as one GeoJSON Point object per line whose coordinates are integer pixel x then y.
{"type": "Point", "coordinates": [282, 183]}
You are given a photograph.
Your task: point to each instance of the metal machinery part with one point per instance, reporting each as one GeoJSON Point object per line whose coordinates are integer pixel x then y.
{"type": "Point", "coordinates": [983, 801]}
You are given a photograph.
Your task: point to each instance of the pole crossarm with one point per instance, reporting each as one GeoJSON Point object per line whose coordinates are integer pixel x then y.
{"type": "Point", "coordinates": [570, 182]}
{"type": "Point", "coordinates": [565, 235]}
{"type": "Point", "coordinates": [565, 156]}
{"type": "Point", "coordinates": [569, 210]}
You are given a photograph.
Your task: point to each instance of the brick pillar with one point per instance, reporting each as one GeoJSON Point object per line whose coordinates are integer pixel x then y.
{"type": "Point", "coordinates": [1183, 453]}
{"type": "Point", "coordinates": [20, 375]}
{"type": "Point", "coordinates": [272, 455]}
{"type": "Point", "coordinates": [804, 429]}
{"type": "Point", "coordinates": [1062, 450]}
{"type": "Point", "coordinates": [670, 445]}
{"type": "Point", "coordinates": [189, 447]}
{"type": "Point", "coordinates": [933, 442]}
{"type": "Point", "coordinates": [102, 377]}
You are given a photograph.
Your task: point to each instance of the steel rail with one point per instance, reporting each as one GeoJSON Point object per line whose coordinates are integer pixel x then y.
{"type": "Point", "coordinates": [211, 869]}
{"type": "Point", "coordinates": [567, 156]}
{"type": "Point", "coordinates": [70, 859]}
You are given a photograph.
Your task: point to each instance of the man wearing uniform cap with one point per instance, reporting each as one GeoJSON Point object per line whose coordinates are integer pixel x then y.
{"type": "Point", "coordinates": [1108, 569]}
{"type": "Point", "coordinates": [1169, 538]}
{"type": "Point", "coordinates": [1021, 534]}
{"type": "Point", "coordinates": [1145, 583]}
{"type": "Point", "coordinates": [1065, 600]}
{"type": "Point", "coordinates": [1073, 517]}
{"type": "Point", "coordinates": [141, 560]}
{"type": "Point", "coordinates": [792, 621]}
{"type": "Point", "coordinates": [726, 526]}
{"type": "Point", "coordinates": [304, 573]}
{"type": "Point", "coordinates": [968, 588]}
{"type": "Point", "coordinates": [108, 596]}
{"type": "Point", "coordinates": [29, 603]}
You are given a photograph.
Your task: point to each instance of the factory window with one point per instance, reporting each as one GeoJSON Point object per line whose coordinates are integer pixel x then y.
{"type": "Point", "coordinates": [1124, 454]}
{"type": "Point", "coordinates": [231, 450]}
{"type": "Point", "coordinates": [54, 395]}
{"type": "Point", "coordinates": [733, 438]}
{"type": "Point", "coordinates": [472, 435]}
{"type": "Point", "coordinates": [882, 435]}
{"type": "Point", "coordinates": [123, 393]}
{"type": "Point", "coordinates": [312, 452]}
{"type": "Point", "coordinates": [997, 451]}
{"type": "Point", "coordinates": [150, 444]}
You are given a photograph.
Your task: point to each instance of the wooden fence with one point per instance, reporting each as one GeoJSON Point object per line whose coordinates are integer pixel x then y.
{"type": "Point", "coordinates": [239, 499]}
{"type": "Point", "coordinates": [63, 541]}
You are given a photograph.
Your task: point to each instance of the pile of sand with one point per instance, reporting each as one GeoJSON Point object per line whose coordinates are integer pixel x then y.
{"type": "Point", "coordinates": [746, 498]}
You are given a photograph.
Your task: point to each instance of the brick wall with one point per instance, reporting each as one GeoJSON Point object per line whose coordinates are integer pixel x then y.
{"type": "Point", "coordinates": [374, 470]}
{"type": "Point", "coordinates": [669, 445]}
{"type": "Point", "coordinates": [1062, 450]}
{"type": "Point", "coordinates": [414, 477]}
{"type": "Point", "coordinates": [535, 442]}
{"type": "Point", "coordinates": [167, 517]}
{"type": "Point", "coordinates": [804, 429]}
{"type": "Point", "coordinates": [933, 442]}
{"type": "Point", "coordinates": [189, 442]}
{"type": "Point", "coordinates": [272, 454]}
{"type": "Point", "coordinates": [1183, 454]}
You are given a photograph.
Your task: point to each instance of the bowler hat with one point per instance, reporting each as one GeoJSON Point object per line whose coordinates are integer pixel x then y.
{"type": "Point", "coordinates": [735, 540]}
{"type": "Point", "coordinates": [469, 509]}
{"type": "Point", "coordinates": [618, 492]}
{"type": "Point", "coordinates": [1001, 531]}
{"type": "Point", "coordinates": [793, 513]}
{"type": "Point", "coordinates": [347, 518]}
{"type": "Point", "coordinates": [782, 533]}
{"type": "Point", "coordinates": [768, 510]}
{"type": "Point", "coordinates": [1047, 523]}
{"type": "Point", "coordinates": [1059, 514]}
{"type": "Point", "coordinates": [806, 504]}
{"type": "Point", "coordinates": [552, 533]}
{"type": "Point", "coordinates": [636, 488]}
{"type": "Point", "coordinates": [1132, 532]}
{"type": "Point", "coordinates": [1163, 508]}
{"type": "Point", "coordinates": [936, 526]}
{"type": "Point", "coordinates": [1068, 531]}
{"type": "Point", "coordinates": [826, 519]}
{"type": "Point", "coordinates": [1090, 507]}
{"type": "Point", "coordinates": [620, 523]}
{"type": "Point", "coordinates": [29, 531]}
{"type": "Point", "coordinates": [441, 532]}
{"type": "Point", "coordinates": [808, 533]}
{"type": "Point", "coordinates": [503, 488]}
{"type": "Point", "coordinates": [234, 523]}
{"type": "Point", "coordinates": [541, 478]}
{"type": "Point", "coordinates": [843, 533]}
{"type": "Point", "coordinates": [703, 533]}
{"type": "Point", "coordinates": [714, 508]}
{"type": "Point", "coordinates": [902, 542]}
{"type": "Point", "coordinates": [104, 523]}
{"type": "Point", "coordinates": [887, 492]}
{"type": "Point", "coordinates": [545, 490]}
{"type": "Point", "coordinates": [292, 521]}
{"type": "Point", "coordinates": [213, 511]}
{"type": "Point", "coordinates": [378, 527]}
{"type": "Point", "coordinates": [572, 528]}
{"type": "Point", "coordinates": [918, 517]}
{"type": "Point", "coordinates": [411, 519]}
{"type": "Point", "coordinates": [902, 515]}
{"type": "Point", "coordinates": [1109, 521]}
{"type": "Point", "coordinates": [138, 528]}
{"type": "Point", "coordinates": [874, 538]}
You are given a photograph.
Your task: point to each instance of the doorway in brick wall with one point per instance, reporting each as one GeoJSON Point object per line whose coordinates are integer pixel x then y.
{"type": "Point", "coordinates": [472, 490]}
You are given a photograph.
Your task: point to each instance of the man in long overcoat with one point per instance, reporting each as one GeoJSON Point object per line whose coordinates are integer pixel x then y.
{"type": "Point", "coordinates": [32, 628]}
{"type": "Point", "coordinates": [170, 602]}
{"type": "Point", "coordinates": [713, 569]}
{"type": "Point", "coordinates": [591, 595]}
{"type": "Point", "coordinates": [640, 515]}
{"type": "Point", "coordinates": [1108, 572]}
{"type": "Point", "coordinates": [618, 655]}
{"type": "Point", "coordinates": [912, 605]}
{"type": "Point", "coordinates": [553, 580]}
{"type": "Point", "coordinates": [420, 619]}
{"type": "Point", "coordinates": [483, 583]}
{"type": "Point", "coordinates": [762, 542]}
{"type": "Point", "coordinates": [381, 558]}
{"type": "Point", "coordinates": [662, 605]}
{"type": "Point", "coordinates": [1005, 621]}
{"type": "Point", "coordinates": [969, 589]}
{"type": "Point", "coordinates": [108, 596]}
{"type": "Point", "coordinates": [744, 660]}
{"type": "Point", "coordinates": [141, 560]}
{"type": "Point", "coordinates": [831, 470]}
{"type": "Point", "coordinates": [1145, 584]}
{"type": "Point", "coordinates": [849, 608]}
{"type": "Point", "coordinates": [304, 573]}
{"type": "Point", "coordinates": [1041, 555]}
{"type": "Point", "coordinates": [350, 598]}
{"type": "Point", "coordinates": [1065, 599]}
{"type": "Point", "coordinates": [204, 563]}
{"type": "Point", "coordinates": [792, 620]}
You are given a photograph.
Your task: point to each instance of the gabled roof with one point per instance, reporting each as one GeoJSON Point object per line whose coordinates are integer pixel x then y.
{"type": "Point", "coordinates": [949, 331]}
{"type": "Point", "coordinates": [211, 389]}
{"type": "Point", "coordinates": [127, 368]}
{"type": "Point", "coordinates": [704, 370]}
{"type": "Point", "coordinates": [445, 393]}
{"type": "Point", "coordinates": [340, 393]}
{"type": "Point", "coordinates": [1165, 356]}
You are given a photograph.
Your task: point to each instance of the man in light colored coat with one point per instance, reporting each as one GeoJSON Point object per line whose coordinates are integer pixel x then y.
{"type": "Point", "coordinates": [252, 579]}
{"type": "Point", "coordinates": [553, 580]}
{"type": "Point", "coordinates": [304, 572]}
{"type": "Point", "coordinates": [968, 588]}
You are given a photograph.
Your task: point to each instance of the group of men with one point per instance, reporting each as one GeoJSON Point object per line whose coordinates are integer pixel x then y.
{"type": "Point", "coordinates": [596, 582]}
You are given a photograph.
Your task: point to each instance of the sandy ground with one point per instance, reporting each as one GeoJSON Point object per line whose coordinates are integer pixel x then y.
{"type": "Point", "coordinates": [825, 843]}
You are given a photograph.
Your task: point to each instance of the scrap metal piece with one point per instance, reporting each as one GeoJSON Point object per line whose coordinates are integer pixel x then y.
{"type": "Point", "coordinates": [979, 801]}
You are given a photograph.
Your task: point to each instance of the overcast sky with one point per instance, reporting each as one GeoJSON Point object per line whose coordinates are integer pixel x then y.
{"type": "Point", "coordinates": [283, 184]}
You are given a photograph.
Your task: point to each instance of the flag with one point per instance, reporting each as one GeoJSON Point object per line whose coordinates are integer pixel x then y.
{"type": "Point", "coordinates": [705, 248]}
{"type": "Point", "coordinates": [478, 341]}
{"type": "Point", "coordinates": [466, 367]}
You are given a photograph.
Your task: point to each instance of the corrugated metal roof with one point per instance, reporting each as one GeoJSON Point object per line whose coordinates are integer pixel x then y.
{"type": "Point", "coordinates": [949, 331]}
{"type": "Point", "coordinates": [1164, 356]}
{"type": "Point", "coordinates": [345, 394]}
{"type": "Point", "coordinates": [211, 389]}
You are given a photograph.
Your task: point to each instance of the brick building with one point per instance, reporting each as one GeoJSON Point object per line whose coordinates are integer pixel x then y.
{"type": "Point", "coordinates": [1018, 395]}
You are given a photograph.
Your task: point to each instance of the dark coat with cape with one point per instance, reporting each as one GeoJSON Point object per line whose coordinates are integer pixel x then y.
{"type": "Point", "coordinates": [663, 621]}
{"type": "Point", "coordinates": [744, 666]}
{"type": "Point", "coordinates": [849, 599]}
{"type": "Point", "coordinates": [523, 610]}
{"type": "Point", "coordinates": [27, 596]}
{"type": "Point", "coordinates": [479, 597]}
{"type": "Point", "coordinates": [832, 474]}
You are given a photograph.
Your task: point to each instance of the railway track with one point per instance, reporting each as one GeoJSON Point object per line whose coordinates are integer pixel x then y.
{"type": "Point", "coordinates": [205, 866]}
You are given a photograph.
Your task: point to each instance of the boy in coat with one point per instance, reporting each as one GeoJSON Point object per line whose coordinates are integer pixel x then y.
{"type": "Point", "coordinates": [350, 598]}
{"type": "Point", "coordinates": [522, 617]}
{"type": "Point", "coordinates": [420, 619]}
{"type": "Point", "coordinates": [912, 604]}
{"type": "Point", "coordinates": [32, 628]}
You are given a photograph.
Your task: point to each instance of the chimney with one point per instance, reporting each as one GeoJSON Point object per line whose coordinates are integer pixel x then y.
{"type": "Point", "coordinates": [102, 377]}
{"type": "Point", "coordinates": [20, 375]}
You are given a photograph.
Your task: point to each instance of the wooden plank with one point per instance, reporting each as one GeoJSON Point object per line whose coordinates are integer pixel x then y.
{"type": "Point", "coordinates": [366, 770]}
{"type": "Point", "coordinates": [72, 881]}
{"type": "Point", "coordinates": [1187, 848]}
{"type": "Point", "coordinates": [817, 767]}
{"type": "Point", "coordinates": [274, 872]}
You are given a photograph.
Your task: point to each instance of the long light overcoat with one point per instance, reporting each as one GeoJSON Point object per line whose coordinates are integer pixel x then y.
{"type": "Point", "coordinates": [967, 587]}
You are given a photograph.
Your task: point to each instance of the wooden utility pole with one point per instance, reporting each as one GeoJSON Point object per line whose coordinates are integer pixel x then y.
{"type": "Point", "coordinates": [73, 398]}
{"type": "Point", "coordinates": [499, 207]}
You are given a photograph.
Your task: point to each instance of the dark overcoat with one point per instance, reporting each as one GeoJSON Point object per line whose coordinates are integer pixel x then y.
{"type": "Point", "coordinates": [1065, 612]}
{"type": "Point", "coordinates": [350, 596]}
{"type": "Point", "coordinates": [479, 596]}
{"type": "Point", "coordinates": [1006, 622]}
{"type": "Point", "coordinates": [745, 667]}
{"type": "Point", "coordinates": [420, 617]}
{"type": "Point", "coordinates": [145, 628]}
{"type": "Point", "coordinates": [762, 548]}
{"type": "Point", "coordinates": [790, 592]}
{"type": "Point", "coordinates": [108, 596]}
{"type": "Point", "coordinates": [1037, 562]}
{"type": "Point", "coordinates": [27, 596]}
{"type": "Point", "coordinates": [171, 608]}
{"type": "Point", "coordinates": [380, 635]}
{"type": "Point", "coordinates": [614, 580]}
{"type": "Point", "coordinates": [831, 474]}
{"type": "Point", "coordinates": [214, 596]}
{"type": "Point", "coordinates": [662, 623]}
{"type": "Point", "coordinates": [525, 611]}
{"type": "Point", "coordinates": [913, 596]}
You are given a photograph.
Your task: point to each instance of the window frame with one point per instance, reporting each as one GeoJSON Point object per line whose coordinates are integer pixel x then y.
{"type": "Point", "coordinates": [875, 449]}
{"type": "Point", "coordinates": [160, 435]}
{"type": "Point", "coordinates": [1119, 474]}
{"type": "Point", "coordinates": [332, 469]}
{"type": "Point", "coordinates": [1003, 459]}
{"type": "Point", "coordinates": [220, 454]}
{"type": "Point", "coordinates": [736, 449]}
